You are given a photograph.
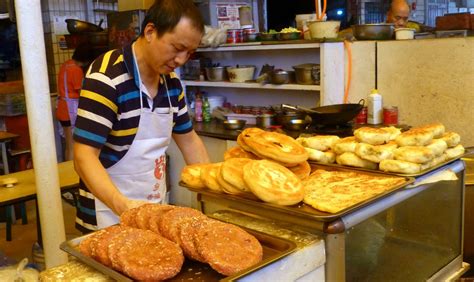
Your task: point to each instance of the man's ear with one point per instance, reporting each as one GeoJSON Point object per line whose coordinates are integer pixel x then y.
{"type": "Point", "coordinates": [149, 30]}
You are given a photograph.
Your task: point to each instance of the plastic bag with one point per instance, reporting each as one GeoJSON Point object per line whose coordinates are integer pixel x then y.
{"type": "Point", "coordinates": [18, 273]}
{"type": "Point", "coordinates": [213, 37]}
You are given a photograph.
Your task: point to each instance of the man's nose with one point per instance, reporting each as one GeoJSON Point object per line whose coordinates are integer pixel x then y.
{"type": "Point", "coordinates": [181, 58]}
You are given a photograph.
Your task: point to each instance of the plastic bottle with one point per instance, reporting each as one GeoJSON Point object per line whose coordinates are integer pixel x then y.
{"type": "Point", "coordinates": [206, 110]}
{"type": "Point", "coordinates": [198, 108]}
{"type": "Point", "coordinates": [374, 108]}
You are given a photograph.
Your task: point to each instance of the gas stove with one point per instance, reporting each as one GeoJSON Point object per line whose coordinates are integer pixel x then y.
{"type": "Point", "coordinates": [341, 130]}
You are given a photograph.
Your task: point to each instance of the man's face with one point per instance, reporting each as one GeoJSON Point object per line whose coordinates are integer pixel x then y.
{"type": "Point", "coordinates": [398, 16]}
{"type": "Point", "coordinates": [173, 48]}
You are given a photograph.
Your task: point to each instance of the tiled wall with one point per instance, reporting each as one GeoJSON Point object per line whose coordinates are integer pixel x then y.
{"type": "Point", "coordinates": [56, 11]}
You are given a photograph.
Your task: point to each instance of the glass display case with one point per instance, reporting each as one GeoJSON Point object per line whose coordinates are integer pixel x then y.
{"type": "Point", "coordinates": [413, 234]}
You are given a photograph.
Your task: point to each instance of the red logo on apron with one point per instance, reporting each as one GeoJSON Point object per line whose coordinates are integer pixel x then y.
{"type": "Point", "coordinates": [160, 170]}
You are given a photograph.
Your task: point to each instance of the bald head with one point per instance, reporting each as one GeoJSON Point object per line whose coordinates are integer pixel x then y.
{"type": "Point", "coordinates": [398, 13]}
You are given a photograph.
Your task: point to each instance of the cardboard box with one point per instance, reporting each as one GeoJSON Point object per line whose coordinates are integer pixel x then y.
{"type": "Point", "coordinates": [126, 5]}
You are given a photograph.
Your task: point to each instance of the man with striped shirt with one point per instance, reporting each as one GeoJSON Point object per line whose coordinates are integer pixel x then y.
{"type": "Point", "coordinates": [131, 105]}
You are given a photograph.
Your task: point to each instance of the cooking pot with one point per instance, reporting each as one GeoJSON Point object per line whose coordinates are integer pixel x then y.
{"type": "Point", "coordinates": [307, 73]}
{"type": "Point", "coordinates": [382, 31]}
{"type": "Point", "coordinates": [337, 114]}
{"type": "Point", "coordinates": [78, 26]}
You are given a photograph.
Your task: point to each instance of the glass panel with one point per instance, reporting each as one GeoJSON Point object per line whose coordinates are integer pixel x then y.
{"type": "Point", "coordinates": [411, 241]}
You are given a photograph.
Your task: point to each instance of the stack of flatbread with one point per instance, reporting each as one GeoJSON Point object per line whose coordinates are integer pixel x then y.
{"type": "Point", "coordinates": [387, 148]}
{"type": "Point", "coordinates": [319, 147]}
{"type": "Point", "coordinates": [265, 165]}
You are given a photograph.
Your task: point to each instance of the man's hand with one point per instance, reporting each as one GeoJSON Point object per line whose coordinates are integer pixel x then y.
{"type": "Point", "coordinates": [122, 203]}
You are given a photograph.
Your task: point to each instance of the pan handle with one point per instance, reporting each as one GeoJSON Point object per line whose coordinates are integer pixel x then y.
{"type": "Point", "coordinates": [286, 106]}
{"type": "Point", "coordinates": [361, 102]}
{"type": "Point", "coordinates": [469, 151]}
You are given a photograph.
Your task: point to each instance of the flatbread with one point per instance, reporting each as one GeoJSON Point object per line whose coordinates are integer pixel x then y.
{"type": "Point", "coordinates": [277, 146]}
{"type": "Point", "coordinates": [347, 144]}
{"type": "Point", "coordinates": [238, 152]}
{"type": "Point", "coordinates": [273, 183]}
{"type": "Point", "coordinates": [232, 172]}
{"type": "Point", "coordinates": [372, 136]}
{"type": "Point", "coordinates": [191, 175]}
{"type": "Point", "coordinates": [318, 142]}
{"type": "Point", "coordinates": [351, 159]}
{"type": "Point", "coordinates": [209, 176]}
{"type": "Point", "coordinates": [334, 191]}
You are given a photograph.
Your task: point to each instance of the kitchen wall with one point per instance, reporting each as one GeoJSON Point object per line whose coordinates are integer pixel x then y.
{"type": "Point", "coordinates": [428, 79]}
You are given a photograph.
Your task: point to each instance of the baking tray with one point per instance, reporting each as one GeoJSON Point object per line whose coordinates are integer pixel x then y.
{"type": "Point", "coordinates": [274, 248]}
{"type": "Point", "coordinates": [302, 209]}
{"type": "Point", "coordinates": [469, 151]}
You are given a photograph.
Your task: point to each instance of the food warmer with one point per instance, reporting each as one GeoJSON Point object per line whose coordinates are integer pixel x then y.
{"type": "Point", "coordinates": [412, 234]}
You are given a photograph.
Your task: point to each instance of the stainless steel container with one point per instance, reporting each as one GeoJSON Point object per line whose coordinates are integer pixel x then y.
{"type": "Point", "coordinates": [265, 120]}
{"type": "Point", "coordinates": [216, 73]}
{"type": "Point", "coordinates": [373, 31]}
{"type": "Point", "coordinates": [307, 73]}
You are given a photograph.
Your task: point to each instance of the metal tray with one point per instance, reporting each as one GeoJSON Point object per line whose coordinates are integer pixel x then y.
{"type": "Point", "coordinates": [302, 209]}
{"type": "Point", "coordinates": [469, 151]}
{"type": "Point", "coordinates": [274, 248]}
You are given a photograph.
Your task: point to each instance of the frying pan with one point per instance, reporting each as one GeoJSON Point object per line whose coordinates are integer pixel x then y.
{"type": "Point", "coordinates": [337, 114]}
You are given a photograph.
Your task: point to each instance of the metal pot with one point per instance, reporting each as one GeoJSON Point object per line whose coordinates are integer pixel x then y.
{"type": "Point", "coordinates": [307, 73]}
{"type": "Point", "coordinates": [382, 31]}
{"type": "Point", "coordinates": [78, 26]}
{"type": "Point", "coordinates": [265, 121]}
{"type": "Point", "coordinates": [216, 73]}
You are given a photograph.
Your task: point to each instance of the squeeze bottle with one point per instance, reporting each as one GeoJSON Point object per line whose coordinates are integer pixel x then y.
{"type": "Point", "coordinates": [374, 108]}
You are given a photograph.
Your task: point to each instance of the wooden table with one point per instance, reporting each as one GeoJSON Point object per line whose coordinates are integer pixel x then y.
{"type": "Point", "coordinates": [25, 189]}
{"type": "Point", "coordinates": [5, 137]}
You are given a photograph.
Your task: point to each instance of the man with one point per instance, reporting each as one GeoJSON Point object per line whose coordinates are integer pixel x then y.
{"type": "Point", "coordinates": [399, 13]}
{"type": "Point", "coordinates": [131, 105]}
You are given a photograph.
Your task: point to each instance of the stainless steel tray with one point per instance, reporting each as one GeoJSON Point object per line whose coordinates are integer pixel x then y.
{"type": "Point", "coordinates": [302, 209]}
{"type": "Point", "coordinates": [274, 248]}
{"type": "Point", "coordinates": [469, 151]}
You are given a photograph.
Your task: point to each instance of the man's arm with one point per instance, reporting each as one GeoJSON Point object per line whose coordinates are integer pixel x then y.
{"type": "Point", "coordinates": [191, 147]}
{"type": "Point", "coordinates": [97, 180]}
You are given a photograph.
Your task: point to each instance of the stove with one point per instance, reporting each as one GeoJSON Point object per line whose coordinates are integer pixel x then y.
{"type": "Point", "coordinates": [341, 130]}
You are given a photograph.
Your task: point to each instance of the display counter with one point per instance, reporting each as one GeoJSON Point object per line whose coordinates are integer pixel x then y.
{"type": "Point", "coordinates": [413, 234]}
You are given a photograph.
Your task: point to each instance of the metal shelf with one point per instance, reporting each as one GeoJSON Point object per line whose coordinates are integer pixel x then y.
{"type": "Point", "coordinates": [252, 85]}
{"type": "Point", "coordinates": [258, 46]}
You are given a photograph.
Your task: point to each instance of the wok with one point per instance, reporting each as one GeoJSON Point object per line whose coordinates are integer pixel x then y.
{"type": "Point", "coordinates": [381, 31]}
{"type": "Point", "coordinates": [337, 114]}
{"type": "Point", "coordinates": [78, 26]}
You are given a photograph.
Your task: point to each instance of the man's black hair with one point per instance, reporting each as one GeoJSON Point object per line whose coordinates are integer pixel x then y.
{"type": "Point", "coordinates": [166, 14]}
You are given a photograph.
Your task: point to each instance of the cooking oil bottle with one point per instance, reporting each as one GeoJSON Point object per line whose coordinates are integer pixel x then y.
{"type": "Point", "coordinates": [374, 108]}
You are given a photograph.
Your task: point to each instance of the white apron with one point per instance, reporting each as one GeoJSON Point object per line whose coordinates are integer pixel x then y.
{"type": "Point", "coordinates": [140, 174]}
{"type": "Point", "coordinates": [72, 103]}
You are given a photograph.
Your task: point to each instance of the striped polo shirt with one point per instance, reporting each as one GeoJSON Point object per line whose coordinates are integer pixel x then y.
{"type": "Point", "coordinates": [109, 114]}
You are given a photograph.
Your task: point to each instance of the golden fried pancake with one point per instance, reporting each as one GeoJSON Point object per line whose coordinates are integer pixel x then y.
{"type": "Point", "coordinates": [414, 154]}
{"type": "Point", "coordinates": [347, 144]}
{"type": "Point", "coordinates": [333, 191]}
{"type": "Point", "coordinates": [372, 136]}
{"type": "Point", "coordinates": [351, 159]}
{"type": "Point", "coordinates": [394, 132]}
{"type": "Point", "coordinates": [209, 177]}
{"type": "Point", "coordinates": [273, 183]}
{"type": "Point", "coordinates": [451, 138]}
{"type": "Point", "coordinates": [328, 157]}
{"type": "Point", "coordinates": [302, 170]}
{"type": "Point", "coordinates": [455, 152]}
{"type": "Point", "coordinates": [318, 142]}
{"type": "Point", "coordinates": [374, 153]}
{"type": "Point", "coordinates": [277, 146]}
{"type": "Point", "coordinates": [232, 172]}
{"type": "Point", "coordinates": [437, 146]}
{"type": "Point", "coordinates": [191, 175]}
{"type": "Point", "coordinates": [414, 137]}
{"type": "Point", "coordinates": [434, 162]}
{"type": "Point", "coordinates": [437, 128]}
{"type": "Point", "coordinates": [400, 166]}
{"type": "Point", "coordinates": [238, 152]}
{"type": "Point", "coordinates": [247, 133]}
{"type": "Point", "coordinates": [226, 186]}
